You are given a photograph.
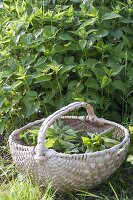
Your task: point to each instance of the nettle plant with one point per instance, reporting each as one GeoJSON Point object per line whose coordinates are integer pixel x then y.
{"type": "Point", "coordinates": [56, 52]}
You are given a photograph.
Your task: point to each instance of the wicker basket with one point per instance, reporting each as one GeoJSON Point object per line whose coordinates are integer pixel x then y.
{"type": "Point", "coordinates": [69, 171]}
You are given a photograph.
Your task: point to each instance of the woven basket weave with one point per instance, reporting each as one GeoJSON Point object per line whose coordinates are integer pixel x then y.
{"type": "Point", "coordinates": [69, 171]}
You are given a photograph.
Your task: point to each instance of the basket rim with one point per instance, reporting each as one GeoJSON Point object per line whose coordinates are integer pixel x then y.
{"type": "Point", "coordinates": [14, 136]}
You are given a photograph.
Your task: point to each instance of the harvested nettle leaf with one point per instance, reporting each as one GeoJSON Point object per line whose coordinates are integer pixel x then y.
{"type": "Point", "coordinates": [101, 141]}
{"type": "Point", "coordinates": [29, 137]}
{"type": "Point", "coordinates": [66, 139]}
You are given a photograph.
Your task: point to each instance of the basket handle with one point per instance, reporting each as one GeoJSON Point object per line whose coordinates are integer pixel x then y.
{"type": "Point", "coordinates": [56, 115]}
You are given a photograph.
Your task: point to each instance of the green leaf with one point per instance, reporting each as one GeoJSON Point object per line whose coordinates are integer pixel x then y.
{"type": "Point", "coordinates": [40, 48]}
{"type": "Point", "coordinates": [90, 41]}
{"type": "Point", "coordinates": [92, 83]}
{"type": "Point", "coordinates": [13, 63]}
{"type": "Point", "coordinates": [105, 81]}
{"type": "Point", "coordinates": [91, 62]}
{"type": "Point", "coordinates": [101, 33]}
{"type": "Point", "coordinates": [110, 142]}
{"type": "Point", "coordinates": [117, 33]}
{"type": "Point", "coordinates": [115, 66]}
{"type": "Point", "coordinates": [40, 61]}
{"type": "Point", "coordinates": [67, 145]}
{"type": "Point", "coordinates": [55, 66]}
{"type": "Point", "coordinates": [86, 141]}
{"type": "Point", "coordinates": [88, 23]}
{"type": "Point", "coordinates": [49, 143]}
{"type": "Point", "coordinates": [43, 77]}
{"type": "Point", "coordinates": [49, 31]}
{"type": "Point", "coordinates": [118, 84]}
{"type": "Point", "coordinates": [107, 71]}
{"type": "Point", "coordinates": [67, 68]}
{"type": "Point", "coordinates": [30, 58]}
{"type": "Point", "coordinates": [16, 84]}
{"type": "Point", "coordinates": [30, 95]}
{"type": "Point", "coordinates": [69, 60]}
{"type": "Point", "coordinates": [110, 15]}
{"type": "Point", "coordinates": [98, 71]}
{"type": "Point", "coordinates": [82, 44]}
{"type": "Point", "coordinates": [70, 10]}
{"type": "Point", "coordinates": [38, 33]}
{"type": "Point", "coordinates": [107, 133]}
{"type": "Point", "coordinates": [27, 39]}
{"type": "Point", "coordinates": [66, 37]}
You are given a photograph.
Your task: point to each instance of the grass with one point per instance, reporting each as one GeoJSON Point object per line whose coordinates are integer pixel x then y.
{"type": "Point", "coordinates": [15, 187]}
{"type": "Point", "coordinates": [118, 187]}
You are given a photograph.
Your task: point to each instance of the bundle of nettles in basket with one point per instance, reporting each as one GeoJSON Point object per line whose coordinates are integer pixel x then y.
{"type": "Point", "coordinates": [65, 139]}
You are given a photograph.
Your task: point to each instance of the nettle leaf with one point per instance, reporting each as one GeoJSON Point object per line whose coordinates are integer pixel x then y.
{"type": "Point", "coordinates": [91, 41]}
{"type": "Point", "coordinates": [55, 66]}
{"type": "Point", "coordinates": [127, 20]}
{"type": "Point", "coordinates": [127, 30]}
{"type": "Point", "coordinates": [88, 23]}
{"type": "Point", "coordinates": [58, 48]}
{"type": "Point", "coordinates": [27, 39]}
{"type": "Point", "coordinates": [31, 107]}
{"type": "Point", "coordinates": [72, 85]}
{"type": "Point", "coordinates": [105, 81]}
{"type": "Point", "coordinates": [69, 60]}
{"type": "Point", "coordinates": [67, 68]}
{"type": "Point", "coordinates": [82, 33]}
{"type": "Point", "coordinates": [66, 37]}
{"type": "Point", "coordinates": [86, 141]}
{"type": "Point", "coordinates": [92, 83]}
{"type": "Point", "coordinates": [41, 48]}
{"type": "Point", "coordinates": [110, 142]}
{"type": "Point", "coordinates": [30, 58]}
{"type": "Point", "coordinates": [16, 84]}
{"type": "Point", "coordinates": [38, 33]}
{"type": "Point", "coordinates": [30, 95]}
{"type": "Point", "coordinates": [110, 15]}
{"type": "Point", "coordinates": [17, 37]}
{"type": "Point", "coordinates": [49, 143]}
{"type": "Point", "coordinates": [117, 33]}
{"type": "Point", "coordinates": [115, 66]}
{"type": "Point", "coordinates": [70, 11]}
{"type": "Point", "coordinates": [91, 62]}
{"type": "Point", "coordinates": [40, 61]}
{"type": "Point", "coordinates": [101, 33]}
{"type": "Point", "coordinates": [31, 102]}
{"type": "Point", "coordinates": [98, 71]}
{"type": "Point", "coordinates": [49, 31]}
{"type": "Point", "coordinates": [119, 47]}
{"type": "Point", "coordinates": [107, 71]}
{"type": "Point", "coordinates": [43, 77]}
{"type": "Point", "coordinates": [6, 87]}
{"type": "Point", "coordinates": [118, 84]}
{"type": "Point", "coordinates": [82, 44]}
{"type": "Point", "coordinates": [13, 63]}
{"type": "Point", "coordinates": [79, 87]}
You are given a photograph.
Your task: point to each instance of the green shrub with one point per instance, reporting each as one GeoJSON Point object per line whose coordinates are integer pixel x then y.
{"type": "Point", "coordinates": [56, 52]}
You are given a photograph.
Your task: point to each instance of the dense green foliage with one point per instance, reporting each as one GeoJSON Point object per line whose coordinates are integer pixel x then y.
{"type": "Point", "coordinates": [54, 53]}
